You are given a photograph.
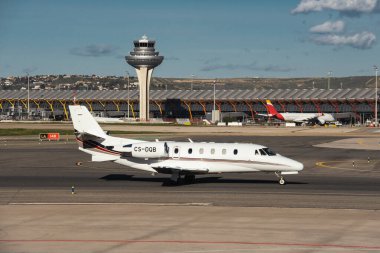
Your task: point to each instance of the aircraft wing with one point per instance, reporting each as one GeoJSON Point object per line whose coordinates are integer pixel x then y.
{"type": "Point", "coordinates": [264, 115]}
{"type": "Point", "coordinates": [303, 119]}
{"type": "Point", "coordinates": [99, 157]}
{"type": "Point", "coordinates": [168, 166]}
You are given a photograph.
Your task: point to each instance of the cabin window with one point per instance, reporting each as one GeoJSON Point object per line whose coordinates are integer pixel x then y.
{"type": "Point", "coordinates": [176, 151]}
{"type": "Point", "coordinates": [213, 151]}
{"type": "Point", "coordinates": [201, 150]}
{"type": "Point", "coordinates": [190, 150]}
{"type": "Point", "coordinates": [256, 152]}
{"type": "Point", "coordinates": [269, 151]}
{"type": "Point", "coordinates": [235, 151]}
{"type": "Point", "coordinates": [262, 152]}
{"type": "Point", "coordinates": [224, 151]}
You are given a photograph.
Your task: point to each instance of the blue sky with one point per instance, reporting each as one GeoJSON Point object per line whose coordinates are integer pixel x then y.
{"type": "Point", "coordinates": [206, 38]}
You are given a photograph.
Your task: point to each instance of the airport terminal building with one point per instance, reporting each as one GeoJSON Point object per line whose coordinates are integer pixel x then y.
{"type": "Point", "coordinates": [193, 104]}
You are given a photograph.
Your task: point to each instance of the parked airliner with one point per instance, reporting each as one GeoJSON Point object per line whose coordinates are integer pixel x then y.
{"type": "Point", "coordinates": [299, 118]}
{"type": "Point", "coordinates": [182, 160]}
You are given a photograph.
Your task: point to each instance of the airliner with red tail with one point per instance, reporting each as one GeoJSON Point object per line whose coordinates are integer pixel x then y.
{"type": "Point", "coordinates": [299, 118]}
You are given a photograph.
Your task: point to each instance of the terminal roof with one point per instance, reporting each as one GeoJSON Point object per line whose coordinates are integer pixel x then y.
{"type": "Point", "coordinates": [305, 95]}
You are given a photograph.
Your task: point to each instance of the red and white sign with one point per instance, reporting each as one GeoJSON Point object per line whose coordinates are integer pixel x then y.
{"type": "Point", "coordinates": [50, 136]}
{"type": "Point", "coordinates": [53, 136]}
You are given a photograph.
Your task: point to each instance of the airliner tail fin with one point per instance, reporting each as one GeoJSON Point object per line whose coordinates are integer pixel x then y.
{"type": "Point", "coordinates": [271, 109]}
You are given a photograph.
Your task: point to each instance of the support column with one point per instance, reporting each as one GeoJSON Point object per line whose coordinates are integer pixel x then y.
{"type": "Point", "coordinates": [299, 104]}
{"type": "Point", "coordinates": [189, 109]}
{"type": "Point", "coordinates": [316, 104]}
{"type": "Point", "coordinates": [251, 109]}
{"type": "Point", "coordinates": [63, 103]}
{"type": "Point", "coordinates": [283, 106]}
{"type": "Point", "coordinates": [233, 104]}
{"type": "Point", "coordinates": [144, 75]}
{"type": "Point", "coordinates": [203, 104]}
{"type": "Point", "coordinates": [37, 103]}
{"type": "Point", "coordinates": [159, 106]}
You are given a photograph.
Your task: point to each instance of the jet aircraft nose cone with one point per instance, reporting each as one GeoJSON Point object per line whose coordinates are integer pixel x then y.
{"type": "Point", "coordinates": [298, 166]}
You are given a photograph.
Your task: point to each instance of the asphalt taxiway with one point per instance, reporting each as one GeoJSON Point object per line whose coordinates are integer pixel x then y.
{"type": "Point", "coordinates": [333, 205]}
{"type": "Point", "coordinates": [333, 178]}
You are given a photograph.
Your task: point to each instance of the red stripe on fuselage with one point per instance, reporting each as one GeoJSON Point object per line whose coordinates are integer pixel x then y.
{"type": "Point", "coordinates": [102, 149]}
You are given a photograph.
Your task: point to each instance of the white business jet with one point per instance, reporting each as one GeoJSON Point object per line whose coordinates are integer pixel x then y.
{"type": "Point", "coordinates": [183, 160]}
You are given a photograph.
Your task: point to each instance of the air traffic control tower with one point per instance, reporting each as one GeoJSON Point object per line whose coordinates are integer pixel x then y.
{"type": "Point", "coordinates": [144, 59]}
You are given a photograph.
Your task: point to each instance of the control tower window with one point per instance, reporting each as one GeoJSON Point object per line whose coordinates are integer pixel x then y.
{"type": "Point", "coordinates": [136, 44]}
{"type": "Point", "coordinates": [150, 45]}
{"type": "Point", "coordinates": [143, 44]}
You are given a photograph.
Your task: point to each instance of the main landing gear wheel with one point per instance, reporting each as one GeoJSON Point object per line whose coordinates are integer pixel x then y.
{"type": "Point", "coordinates": [176, 178]}
{"type": "Point", "coordinates": [189, 179]}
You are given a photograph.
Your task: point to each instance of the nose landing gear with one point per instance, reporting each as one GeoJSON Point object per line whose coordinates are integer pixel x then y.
{"type": "Point", "coordinates": [281, 180]}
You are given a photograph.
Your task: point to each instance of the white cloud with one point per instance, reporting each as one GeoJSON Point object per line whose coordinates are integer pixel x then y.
{"type": "Point", "coordinates": [251, 66]}
{"type": "Point", "coordinates": [328, 27]}
{"type": "Point", "coordinates": [363, 40]}
{"type": "Point", "coordinates": [94, 50]}
{"type": "Point", "coordinates": [344, 6]}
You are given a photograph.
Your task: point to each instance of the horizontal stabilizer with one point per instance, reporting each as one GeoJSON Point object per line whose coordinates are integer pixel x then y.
{"type": "Point", "coordinates": [99, 157]}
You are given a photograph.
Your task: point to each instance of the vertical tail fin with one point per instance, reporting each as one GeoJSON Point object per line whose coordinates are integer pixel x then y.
{"type": "Point", "coordinates": [271, 109]}
{"type": "Point", "coordinates": [84, 122]}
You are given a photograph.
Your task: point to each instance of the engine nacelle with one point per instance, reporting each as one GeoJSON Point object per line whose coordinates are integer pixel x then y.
{"type": "Point", "coordinates": [321, 120]}
{"type": "Point", "coordinates": [150, 150]}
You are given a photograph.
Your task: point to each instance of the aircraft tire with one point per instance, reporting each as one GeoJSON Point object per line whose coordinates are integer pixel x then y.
{"type": "Point", "coordinates": [281, 181]}
{"type": "Point", "coordinates": [189, 179]}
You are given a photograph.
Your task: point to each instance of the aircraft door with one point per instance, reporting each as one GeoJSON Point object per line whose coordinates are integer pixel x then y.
{"type": "Point", "coordinates": [176, 152]}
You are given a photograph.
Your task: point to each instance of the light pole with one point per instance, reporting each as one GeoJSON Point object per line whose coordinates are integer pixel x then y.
{"type": "Point", "coordinates": [328, 81]}
{"type": "Point", "coordinates": [192, 81]}
{"type": "Point", "coordinates": [28, 95]}
{"type": "Point", "coordinates": [376, 69]}
{"type": "Point", "coordinates": [214, 93]}
{"type": "Point", "coordinates": [128, 94]}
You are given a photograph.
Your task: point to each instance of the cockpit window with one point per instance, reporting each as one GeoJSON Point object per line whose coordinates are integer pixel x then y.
{"type": "Point", "coordinates": [262, 152]}
{"type": "Point", "coordinates": [256, 152]}
{"type": "Point", "coordinates": [127, 146]}
{"type": "Point", "coordinates": [269, 151]}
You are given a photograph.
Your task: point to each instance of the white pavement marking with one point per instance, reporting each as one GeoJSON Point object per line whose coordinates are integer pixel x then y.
{"type": "Point", "coordinates": [104, 203]}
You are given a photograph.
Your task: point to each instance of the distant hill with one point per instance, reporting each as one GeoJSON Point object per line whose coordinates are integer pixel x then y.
{"type": "Point", "coordinates": [83, 82]}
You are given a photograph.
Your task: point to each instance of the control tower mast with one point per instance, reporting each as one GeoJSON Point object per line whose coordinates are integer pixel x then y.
{"type": "Point", "coordinates": [144, 59]}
